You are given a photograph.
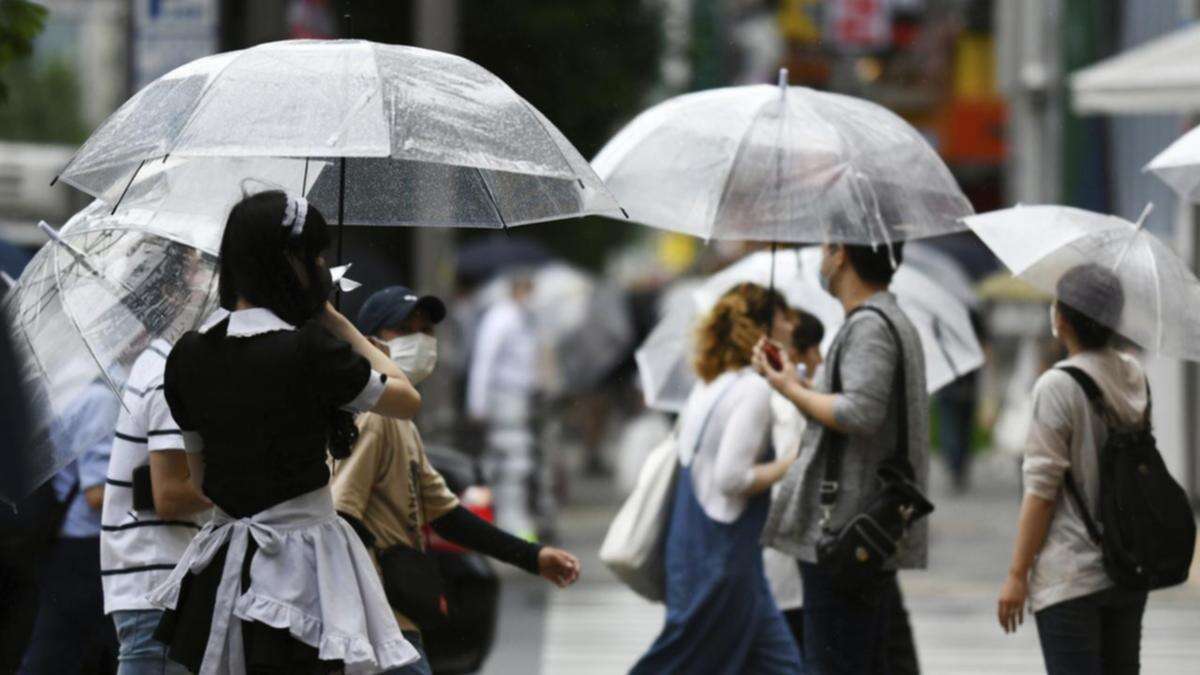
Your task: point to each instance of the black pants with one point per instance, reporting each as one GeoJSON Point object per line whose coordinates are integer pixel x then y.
{"type": "Point", "coordinates": [18, 599]}
{"type": "Point", "coordinates": [71, 634]}
{"type": "Point", "coordinates": [1097, 634]}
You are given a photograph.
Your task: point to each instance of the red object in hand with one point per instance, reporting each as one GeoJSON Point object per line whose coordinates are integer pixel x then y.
{"type": "Point", "coordinates": [773, 356]}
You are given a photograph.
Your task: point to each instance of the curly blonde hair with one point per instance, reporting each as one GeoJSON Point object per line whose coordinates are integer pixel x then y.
{"type": "Point", "coordinates": [726, 337]}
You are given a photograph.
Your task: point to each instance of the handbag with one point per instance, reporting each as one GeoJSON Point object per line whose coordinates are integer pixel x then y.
{"type": "Point", "coordinates": [633, 548]}
{"type": "Point", "coordinates": [411, 580]}
{"type": "Point", "coordinates": [855, 553]}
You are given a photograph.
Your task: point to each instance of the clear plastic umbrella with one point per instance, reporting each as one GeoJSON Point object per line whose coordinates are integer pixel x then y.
{"type": "Point", "coordinates": [949, 342]}
{"type": "Point", "coordinates": [86, 306]}
{"type": "Point", "coordinates": [417, 137]}
{"type": "Point", "coordinates": [1041, 243]}
{"type": "Point", "coordinates": [1179, 165]}
{"type": "Point", "coordinates": [781, 164]}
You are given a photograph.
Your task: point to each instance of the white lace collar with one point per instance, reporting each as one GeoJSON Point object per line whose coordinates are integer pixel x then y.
{"type": "Point", "coordinates": [247, 322]}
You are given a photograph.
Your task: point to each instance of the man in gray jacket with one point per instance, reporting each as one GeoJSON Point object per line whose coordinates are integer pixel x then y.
{"type": "Point", "coordinates": [843, 633]}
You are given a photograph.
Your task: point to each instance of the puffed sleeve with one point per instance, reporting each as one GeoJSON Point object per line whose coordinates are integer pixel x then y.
{"type": "Point", "coordinates": [340, 377]}
{"type": "Point", "coordinates": [174, 375]}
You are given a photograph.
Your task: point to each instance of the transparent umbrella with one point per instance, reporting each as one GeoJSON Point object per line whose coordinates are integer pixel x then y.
{"type": "Point", "coordinates": [1041, 243]}
{"type": "Point", "coordinates": [949, 342]}
{"type": "Point", "coordinates": [417, 137]}
{"type": "Point", "coordinates": [1179, 165]}
{"type": "Point", "coordinates": [89, 302]}
{"type": "Point", "coordinates": [781, 164]}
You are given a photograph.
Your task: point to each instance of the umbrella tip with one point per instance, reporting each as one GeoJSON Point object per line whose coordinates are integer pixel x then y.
{"type": "Point", "coordinates": [1141, 221]}
{"type": "Point", "coordinates": [49, 230]}
{"type": "Point", "coordinates": [783, 78]}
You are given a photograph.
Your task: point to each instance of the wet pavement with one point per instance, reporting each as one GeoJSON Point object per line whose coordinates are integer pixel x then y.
{"type": "Point", "coordinates": [600, 627]}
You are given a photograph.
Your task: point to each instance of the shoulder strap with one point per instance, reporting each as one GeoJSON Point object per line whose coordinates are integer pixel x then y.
{"type": "Point", "coordinates": [1092, 390]}
{"type": "Point", "coordinates": [831, 480]}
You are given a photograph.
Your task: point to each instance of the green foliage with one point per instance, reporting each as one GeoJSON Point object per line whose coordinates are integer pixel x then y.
{"type": "Point", "coordinates": [47, 110]}
{"type": "Point", "coordinates": [20, 22]}
{"type": "Point", "coordinates": [587, 65]}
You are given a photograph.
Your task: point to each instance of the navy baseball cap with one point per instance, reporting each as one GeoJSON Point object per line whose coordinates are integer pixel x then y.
{"type": "Point", "coordinates": [391, 305]}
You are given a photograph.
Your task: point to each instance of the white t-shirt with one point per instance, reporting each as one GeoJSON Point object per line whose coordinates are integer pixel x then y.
{"type": "Point", "coordinates": [1067, 433]}
{"type": "Point", "coordinates": [783, 573]}
{"type": "Point", "coordinates": [736, 436]}
{"type": "Point", "coordinates": [504, 360]}
{"type": "Point", "coordinates": [138, 549]}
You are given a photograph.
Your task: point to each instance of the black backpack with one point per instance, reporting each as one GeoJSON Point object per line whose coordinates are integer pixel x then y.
{"type": "Point", "coordinates": [1149, 533]}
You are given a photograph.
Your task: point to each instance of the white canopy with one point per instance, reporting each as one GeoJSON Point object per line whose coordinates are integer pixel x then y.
{"type": "Point", "coordinates": [1160, 76]}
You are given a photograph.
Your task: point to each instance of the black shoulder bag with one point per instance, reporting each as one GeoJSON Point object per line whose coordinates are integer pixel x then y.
{"type": "Point", "coordinates": [411, 580]}
{"type": "Point", "coordinates": [855, 553]}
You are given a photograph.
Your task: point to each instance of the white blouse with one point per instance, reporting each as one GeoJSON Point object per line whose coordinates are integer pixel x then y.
{"type": "Point", "coordinates": [722, 461]}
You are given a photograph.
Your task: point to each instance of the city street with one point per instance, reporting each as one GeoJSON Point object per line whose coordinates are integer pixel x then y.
{"type": "Point", "coordinates": [600, 627]}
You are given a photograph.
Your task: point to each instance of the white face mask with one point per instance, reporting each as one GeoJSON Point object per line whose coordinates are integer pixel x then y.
{"type": "Point", "coordinates": [415, 355]}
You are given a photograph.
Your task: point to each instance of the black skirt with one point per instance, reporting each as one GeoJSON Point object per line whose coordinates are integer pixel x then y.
{"type": "Point", "coordinates": [185, 629]}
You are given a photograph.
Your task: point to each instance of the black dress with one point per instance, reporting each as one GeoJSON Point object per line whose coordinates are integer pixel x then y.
{"type": "Point", "coordinates": [263, 405]}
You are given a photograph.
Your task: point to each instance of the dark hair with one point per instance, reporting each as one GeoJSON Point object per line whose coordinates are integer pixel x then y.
{"type": "Point", "coordinates": [255, 266]}
{"type": "Point", "coordinates": [808, 333]}
{"type": "Point", "coordinates": [874, 263]}
{"type": "Point", "coordinates": [254, 259]}
{"type": "Point", "coordinates": [1097, 289]}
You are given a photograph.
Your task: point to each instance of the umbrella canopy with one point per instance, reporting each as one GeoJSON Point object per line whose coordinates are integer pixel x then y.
{"type": "Point", "coordinates": [1179, 166]}
{"type": "Point", "coordinates": [949, 342]}
{"type": "Point", "coordinates": [419, 137]}
{"type": "Point", "coordinates": [781, 164]}
{"type": "Point", "coordinates": [1042, 243]}
{"type": "Point", "coordinates": [87, 305]}
{"type": "Point", "coordinates": [945, 270]}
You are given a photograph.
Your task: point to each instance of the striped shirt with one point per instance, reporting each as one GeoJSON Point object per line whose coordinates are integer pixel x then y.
{"type": "Point", "coordinates": [138, 549]}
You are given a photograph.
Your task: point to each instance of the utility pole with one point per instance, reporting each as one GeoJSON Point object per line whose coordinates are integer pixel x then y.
{"type": "Point", "coordinates": [436, 27]}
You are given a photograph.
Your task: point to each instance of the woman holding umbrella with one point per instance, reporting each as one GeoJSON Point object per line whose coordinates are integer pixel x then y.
{"type": "Point", "coordinates": [277, 582]}
{"type": "Point", "coordinates": [720, 614]}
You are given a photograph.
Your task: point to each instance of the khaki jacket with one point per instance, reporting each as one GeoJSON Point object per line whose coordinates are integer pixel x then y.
{"type": "Point", "coordinates": [389, 485]}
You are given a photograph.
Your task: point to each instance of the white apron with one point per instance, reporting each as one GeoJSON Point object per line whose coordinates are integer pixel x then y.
{"type": "Point", "coordinates": [310, 575]}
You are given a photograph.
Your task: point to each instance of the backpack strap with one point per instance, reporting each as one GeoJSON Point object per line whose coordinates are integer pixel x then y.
{"type": "Point", "coordinates": [831, 480]}
{"type": "Point", "coordinates": [1092, 390]}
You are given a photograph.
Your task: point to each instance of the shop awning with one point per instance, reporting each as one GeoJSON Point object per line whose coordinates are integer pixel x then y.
{"type": "Point", "coordinates": [1160, 76]}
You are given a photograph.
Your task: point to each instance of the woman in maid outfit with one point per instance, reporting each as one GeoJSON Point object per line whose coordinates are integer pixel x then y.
{"type": "Point", "coordinates": [277, 582]}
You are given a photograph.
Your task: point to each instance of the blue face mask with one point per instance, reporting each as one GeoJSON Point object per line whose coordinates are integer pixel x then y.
{"type": "Point", "coordinates": [825, 279]}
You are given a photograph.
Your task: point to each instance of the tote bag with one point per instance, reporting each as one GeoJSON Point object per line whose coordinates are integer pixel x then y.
{"type": "Point", "coordinates": [633, 546]}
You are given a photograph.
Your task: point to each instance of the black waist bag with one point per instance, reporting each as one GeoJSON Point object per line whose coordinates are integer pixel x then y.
{"type": "Point", "coordinates": [413, 585]}
{"type": "Point", "coordinates": [1149, 532]}
{"type": "Point", "coordinates": [856, 552]}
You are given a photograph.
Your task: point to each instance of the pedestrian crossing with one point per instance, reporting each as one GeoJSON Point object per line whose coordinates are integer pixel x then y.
{"type": "Point", "coordinates": [598, 628]}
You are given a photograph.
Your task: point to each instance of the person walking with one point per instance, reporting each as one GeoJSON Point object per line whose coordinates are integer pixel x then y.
{"type": "Point", "coordinates": [277, 582]}
{"type": "Point", "coordinates": [501, 387]}
{"type": "Point", "coordinates": [71, 633]}
{"type": "Point", "coordinates": [387, 487]}
{"type": "Point", "coordinates": [787, 428]}
{"type": "Point", "coordinates": [720, 614]}
{"type": "Point", "coordinates": [151, 512]}
{"type": "Point", "coordinates": [1086, 624]}
{"type": "Point", "coordinates": [848, 632]}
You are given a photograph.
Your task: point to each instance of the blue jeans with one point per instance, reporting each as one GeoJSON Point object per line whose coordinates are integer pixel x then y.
{"type": "Point", "coordinates": [419, 667]}
{"type": "Point", "coordinates": [140, 653]}
{"type": "Point", "coordinates": [1097, 634]}
{"type": "Point", "coordinates": [846, 635]}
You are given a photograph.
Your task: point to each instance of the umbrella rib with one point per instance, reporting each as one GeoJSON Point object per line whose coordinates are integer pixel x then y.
{"type": "Point", "coordinates": [491, 198]}
{"type": "Point", "coordinates": [79, 329]}
{"type": "Point", "coordinates": [201, 101]}
{"type": "Point", "coordinates": [1158, 332]}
